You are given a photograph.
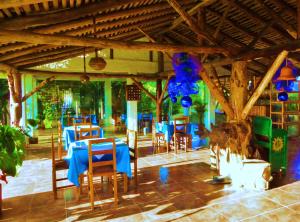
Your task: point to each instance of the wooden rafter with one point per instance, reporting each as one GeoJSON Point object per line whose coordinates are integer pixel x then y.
{"type": "Point", "coordinates": [191, 12]}
{"type": "Point", "coordinates": [276, 17]}
{"type": "Point", "coordinates": [18, 3]}
{"type": "Point", "coordinates": [258, 19]}
{"type": "Point", "coordinates": [141, 87]}
{"type": "Point", "coordinates": [191, 23]}
{"type": "Point", "coordinates": [152, 40]}
{"type": "Point", "coordinates": [63, 16]}
{"type": "Point", "coordinates": [104, 75]}
{"type": "Point", "coordinates": [264, 83]}
{"type": "Point", "coordinates": [61, 40]}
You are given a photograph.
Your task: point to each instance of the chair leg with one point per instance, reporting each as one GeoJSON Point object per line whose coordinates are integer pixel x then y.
{"type": "Point", "coordinates": [81, 178]}
{"type": "Point", "coordinates": [54, 186]}
{"type": "Point", "coordinates": [115, 189]}
{"type": "Point", "coordinates": [91, 185]}
{"type": "Point", "coordinates": [135, 173]}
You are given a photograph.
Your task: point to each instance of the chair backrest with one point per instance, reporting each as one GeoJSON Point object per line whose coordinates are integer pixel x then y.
{"type": "Point", "coordinates": [131, 141]}
{"type": "Point", "coordinates": [53, 153]}
{"type": "Point", "coordinates": [89, 132]}
{"type": "Point", "coordinates": [180, 124]}
{"type": "Point", "coordinates": [59, 139]}
{"type": "Point", "coordinates": [77, 128]}
{"type": "Point", "coordinates": [79, 120]}
{"type": "Point", "coordinates": [111, 150]}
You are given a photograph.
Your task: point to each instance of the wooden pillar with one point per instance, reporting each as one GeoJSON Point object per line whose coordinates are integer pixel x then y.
{"type": "Point", "coordinates": [298, 19]}
{"type": "Point", "coordinates": [158, 103]}
{"type": "Point", "coordinates": [159, 87]}
{"type": "Point", "coordinates": [15, 90]}
{"type": "Point", "coordinates": [238, 86]}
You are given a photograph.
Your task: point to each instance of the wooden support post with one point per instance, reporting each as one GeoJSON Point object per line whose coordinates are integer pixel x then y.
{"type": "Point", "coordinates": [158, 103]}
{"type": "Point", "coordinates": [216, 93]}
{"type": "Point", "coordinates": [41, 85]}
{"type": "Point", "coordinates": [238, 86]}
{"type": "Point", "coordinates": [264, 83]}
{"type": "Point", "coordinates": [298, 19]}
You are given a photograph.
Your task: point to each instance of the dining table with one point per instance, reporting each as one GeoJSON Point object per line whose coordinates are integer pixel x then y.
{"type": "Point", "coordinates": [77, 158]}
{"type": "Point", "coordinates": [167, 128]}
{"type": "Point", "coordinates": [69, 133]}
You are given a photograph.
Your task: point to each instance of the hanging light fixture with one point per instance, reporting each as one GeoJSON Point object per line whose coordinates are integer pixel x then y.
{"type": "Point", "coordinates": [97, 63]}
{"type": "Point", "coordinates": [84, 78]}
{"type": "Point", "coordinates": [286, 73]}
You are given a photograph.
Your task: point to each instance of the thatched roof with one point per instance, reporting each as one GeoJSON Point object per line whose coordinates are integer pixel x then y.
{"type": "Point", "coordinates": [251, 29]}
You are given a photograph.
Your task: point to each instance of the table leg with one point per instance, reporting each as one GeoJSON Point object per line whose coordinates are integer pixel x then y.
{"type": "Point", "coordinates": [125, 182]}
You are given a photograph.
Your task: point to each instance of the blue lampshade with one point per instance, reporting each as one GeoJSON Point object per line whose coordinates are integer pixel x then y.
{"type": "Point", "coordinates": [283, 96]}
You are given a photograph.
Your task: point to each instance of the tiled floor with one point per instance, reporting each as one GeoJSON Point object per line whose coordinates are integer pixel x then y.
{"type": "Point", "coordinates": [186, 195]}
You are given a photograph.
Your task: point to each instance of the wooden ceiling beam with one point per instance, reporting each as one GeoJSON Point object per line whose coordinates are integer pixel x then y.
{"type": "Point", "coordinates": [18, 3]}
{"type": "Point", "coordinates": [239, 28]}
{"type": "Point", "coordinates": [36, 56]}
{"type": "Point", "coordinates": [62, 16]}
{"type": "Point", "coordinates": [276, 18]}
{"type": "Point", "coordinates": [191, 12]}
{"type": "Point", "coordinates": [33, 48]}
{"type": "Point", "coordinates": [191, 23]}
{"type": "Point", "coordinates": [258, 19]}
{"type": "Point", "coordinates": [44, 74]}
{"type": "Point", "coordinates": [259, 53]}
{"type": "Point", "coordinates": [56, 58]}
{"type": "Point", "coordinates": [285, 7]}
{"type": "Point", "coordinates": [62, 40]}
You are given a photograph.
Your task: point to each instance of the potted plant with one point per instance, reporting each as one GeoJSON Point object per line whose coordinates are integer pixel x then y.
{"type": "Point", "coordinates": [32, 125]}
{"type": "Point", "coordinates": [12, 145]}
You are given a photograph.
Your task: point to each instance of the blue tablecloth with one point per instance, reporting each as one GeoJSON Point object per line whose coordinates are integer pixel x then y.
{"type": "Point", "coordinates": [77, 158]}
{"type": "Point", "coordinates": [69, 134]}
{"type": "Point", "coordinates": [168, 130]}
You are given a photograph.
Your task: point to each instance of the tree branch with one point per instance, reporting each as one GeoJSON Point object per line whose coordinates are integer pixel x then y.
{"type": "Point", "coordinates": [141, 87]}
{"type": "Point", "coordinates": [41, 85]}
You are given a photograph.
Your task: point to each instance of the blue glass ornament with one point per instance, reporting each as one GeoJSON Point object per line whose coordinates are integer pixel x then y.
{"type": "Point", "coordinates": [283, 96]}
{"type": "Point", "coordinates": [186, 101]}
{"type": "Point", "coordinates": [173, 99]}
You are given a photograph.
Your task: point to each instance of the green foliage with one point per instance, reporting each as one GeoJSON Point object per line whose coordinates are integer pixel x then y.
{"type": "Point", "coordinates": [32, 122]}
{"type": "Point", "coordinates": [198, 110]}
{"type": "Point", "coordinates": [146, 104]}
{"type": "Point", "coordinates": [12, 144]}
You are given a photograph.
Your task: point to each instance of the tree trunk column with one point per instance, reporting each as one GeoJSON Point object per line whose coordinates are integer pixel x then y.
{"type": "Point", "coordinates": [238, 86]}
{"type": "Point", "coordinates": [159, 86]}
{"type": "Point", "coordinates": [158, 104]}
{"type": "Point", "coordinates": [15, 99]}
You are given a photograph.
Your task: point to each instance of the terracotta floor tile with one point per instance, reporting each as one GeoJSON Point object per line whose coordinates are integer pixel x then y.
{"type": "Point", "coordinates": [283, 214]}
{"type": "Point", "coordinates": [295, 207]}
{"type": "Point", "coordinates": [282, 197]}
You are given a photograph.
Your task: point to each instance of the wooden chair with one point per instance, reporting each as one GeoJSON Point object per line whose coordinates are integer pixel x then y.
{"type": "Point", "coordinates": [87, 133]}
{"type": "Point", "coordinates": [102, 168]}
{"type": "Point", "coordinates": [180, 136]}
{"type": "Point", "coordinates": [79, 120]}
{"type": "Point", "coordinates": [158, 139]}
{"type": "Point", "coordinates": [133, 151]}
{"type": "Point", "coordinates": [57, 165]}
{"type": "Point", "coordinates": [60, 140]}
{"type": "Point", "coordinates": [77, 129]}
